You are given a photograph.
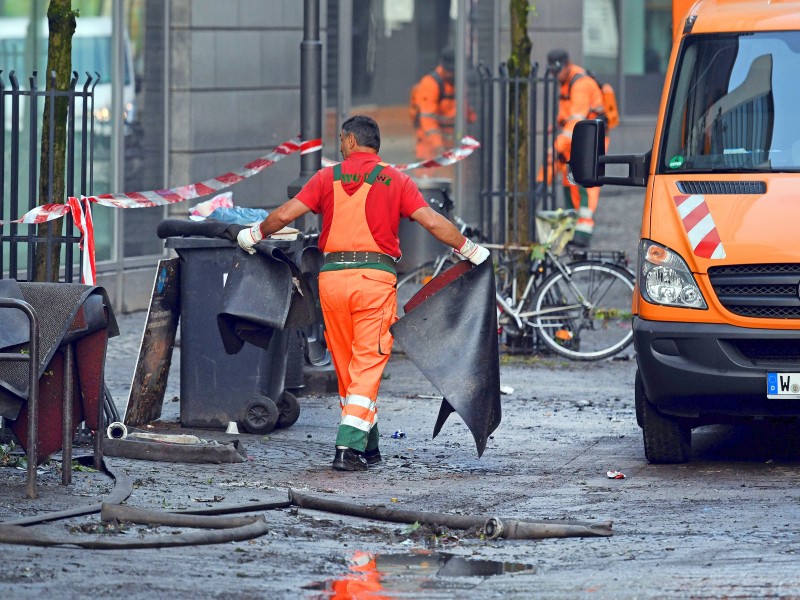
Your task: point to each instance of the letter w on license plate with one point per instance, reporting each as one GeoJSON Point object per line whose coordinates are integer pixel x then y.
{"type": "Point", "coordinates": [783, 385]}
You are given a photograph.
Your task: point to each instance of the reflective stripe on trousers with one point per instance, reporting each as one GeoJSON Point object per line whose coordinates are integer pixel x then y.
{"type": "Point", "coordinates": [584, 201]}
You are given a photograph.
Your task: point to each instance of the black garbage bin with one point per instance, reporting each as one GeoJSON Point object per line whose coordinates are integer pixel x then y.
{"type": "Point", "coordinates": [217, 387]}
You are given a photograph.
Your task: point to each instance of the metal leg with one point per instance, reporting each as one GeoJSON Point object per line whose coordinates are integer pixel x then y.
{"type": "Point", "coordinates": [67, 431]}
{"type": "Point", "coordinates": [33, 402]}
{"type": "Point", "coordinates": [32, 358]}
{"type": "Point", "coordinates": [101, 430]}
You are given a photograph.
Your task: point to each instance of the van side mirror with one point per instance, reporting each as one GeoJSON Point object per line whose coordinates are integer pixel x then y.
{"type": "Point", "coordinates": [588, 158]}
{"type": "Point", "coordinates": [588, 145]}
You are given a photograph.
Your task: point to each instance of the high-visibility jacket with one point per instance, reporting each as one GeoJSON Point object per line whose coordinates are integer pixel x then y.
{"type": "Point", "coordinates": [437, 114]}
{"type": "Point", "coordinates": [581, 98]}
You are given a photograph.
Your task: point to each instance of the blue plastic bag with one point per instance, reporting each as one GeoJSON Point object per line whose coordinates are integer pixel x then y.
{"type": "Point", "coordinates": [239, 215]}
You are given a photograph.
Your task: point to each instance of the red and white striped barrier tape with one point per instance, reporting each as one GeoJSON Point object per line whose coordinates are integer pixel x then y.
{"type": "Point", "coordinates": [82, 216]}
{"type": "Point", "coordinates": [468, 146]}
{"type": "Point", "coordinates": [50, 212]}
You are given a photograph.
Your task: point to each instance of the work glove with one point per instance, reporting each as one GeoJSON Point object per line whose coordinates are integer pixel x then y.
{"type": "Point", "coordinates": [249, 237]}
{"type": "Point", "coordinates": [473, 252]}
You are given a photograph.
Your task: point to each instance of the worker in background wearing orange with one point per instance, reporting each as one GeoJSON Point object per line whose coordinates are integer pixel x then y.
{"type": "Point", "coordinates": [434, 105]}
{"type": "Point", "coordinates": [361, 201]}
{"type": "Point", "coordinates": [581, 98]}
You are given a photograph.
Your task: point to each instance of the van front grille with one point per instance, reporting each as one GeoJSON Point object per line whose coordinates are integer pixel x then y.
{"type": "Point", "coordinates": [759, 291]}
{"type": "Point", "coordinates": [768, 350]}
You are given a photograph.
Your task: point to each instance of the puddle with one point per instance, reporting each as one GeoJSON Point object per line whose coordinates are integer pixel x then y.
{"type": "Point", "coordinates": [383, 574]}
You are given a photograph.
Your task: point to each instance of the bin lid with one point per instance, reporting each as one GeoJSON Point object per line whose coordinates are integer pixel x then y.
{"type": "Point", "coordinates": [198, 242]}
{"type": "Point", "coordinates": [210, 242]}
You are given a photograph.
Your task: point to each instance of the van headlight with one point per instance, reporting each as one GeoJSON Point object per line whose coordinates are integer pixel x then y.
{"type": "Point", "coordinates": [666, 278]}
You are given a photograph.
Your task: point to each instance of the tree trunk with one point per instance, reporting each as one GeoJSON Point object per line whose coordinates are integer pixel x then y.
{"type": "Point", "coordinates": [61, 23]}
{"type": "Point", "coordinates": [519, 69]}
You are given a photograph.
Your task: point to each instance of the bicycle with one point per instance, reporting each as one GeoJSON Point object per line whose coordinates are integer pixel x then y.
{"type": "Point", "coordinates": [411, 282]}
{"type": "Point", "coordinates": [577, 304]}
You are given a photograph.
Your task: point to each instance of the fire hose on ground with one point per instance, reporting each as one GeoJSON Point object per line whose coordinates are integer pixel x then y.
{"type": "Point", "coordinates": [492, 527]}
{"type": "Point", "coordinates": [217, 528]}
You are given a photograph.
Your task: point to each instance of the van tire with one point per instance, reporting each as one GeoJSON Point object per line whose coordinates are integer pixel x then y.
{"type": "Point", "coordinates": [666, 440]}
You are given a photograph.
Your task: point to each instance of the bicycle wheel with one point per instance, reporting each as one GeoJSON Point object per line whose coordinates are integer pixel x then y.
{"type": "Point", "coordinates": [586, 316]}
{"type": "Point", "coordinates": [412, 282]}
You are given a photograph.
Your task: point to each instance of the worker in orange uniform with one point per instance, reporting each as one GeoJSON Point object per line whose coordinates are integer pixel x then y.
{"type": "Point", "coordinates": [581, 98]}
{"type": "Point", "coordinates": [361, 201]}
{"type": "Point", "coordinates": [434, 102]}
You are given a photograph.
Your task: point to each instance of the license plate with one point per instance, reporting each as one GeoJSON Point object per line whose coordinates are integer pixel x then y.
{"type": "Point", "coordinates": [783, 385]}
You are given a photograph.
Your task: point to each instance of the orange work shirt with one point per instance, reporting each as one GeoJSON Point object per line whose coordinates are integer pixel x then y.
{"type": "Point", "coordinates": [393, 196]}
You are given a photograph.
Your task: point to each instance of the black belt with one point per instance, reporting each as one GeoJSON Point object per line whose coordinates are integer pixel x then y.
{"type": "Point", "coordinates": [360, 257]}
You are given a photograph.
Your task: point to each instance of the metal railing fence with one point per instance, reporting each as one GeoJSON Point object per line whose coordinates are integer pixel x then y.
{"type": "Point", "coordinates": [503, 98]}
{"type": "Point", "coordinates": [21, 118]}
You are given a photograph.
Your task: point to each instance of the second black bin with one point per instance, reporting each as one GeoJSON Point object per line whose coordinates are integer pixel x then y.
{"type": "Point", "coordinates": [216, 387]}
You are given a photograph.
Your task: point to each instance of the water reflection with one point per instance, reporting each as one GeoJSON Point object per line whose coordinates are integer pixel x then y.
{"type": "Point", "coordinates": [376, 576]}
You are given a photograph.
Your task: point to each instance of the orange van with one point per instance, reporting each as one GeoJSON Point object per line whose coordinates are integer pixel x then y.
{"type": "Point", "coordinates": [717, 308]}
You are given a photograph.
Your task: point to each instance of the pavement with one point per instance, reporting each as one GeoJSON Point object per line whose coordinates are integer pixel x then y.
{"type": "Point", "coordinates": [307, 553]}
{"type": "Point", "coordinates": [720, 526]}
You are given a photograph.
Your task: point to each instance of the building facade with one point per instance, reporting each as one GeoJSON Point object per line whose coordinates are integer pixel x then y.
{"type": "Point", "coordinates": [198, 88]}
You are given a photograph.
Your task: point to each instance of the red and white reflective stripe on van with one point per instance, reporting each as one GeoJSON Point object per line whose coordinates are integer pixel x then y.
{"type": "Point", "coordinates": [700, 227]}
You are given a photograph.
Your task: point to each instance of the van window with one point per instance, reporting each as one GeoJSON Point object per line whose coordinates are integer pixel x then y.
{"type": "Point", "coordinates": [734, 105]}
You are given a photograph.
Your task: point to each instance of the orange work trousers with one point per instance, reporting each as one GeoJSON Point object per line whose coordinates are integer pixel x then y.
{"type": "Point", "coordinates": [358, 306]}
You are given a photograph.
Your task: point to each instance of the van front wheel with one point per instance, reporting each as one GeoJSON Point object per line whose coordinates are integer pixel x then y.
{"type": "Point", "coordinates": [666, 440]}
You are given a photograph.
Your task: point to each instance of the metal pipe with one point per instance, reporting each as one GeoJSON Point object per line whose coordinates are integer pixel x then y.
{"type": "Point", "coordinates": [13, 192]}
{"type": "Point", "coordinates": [33, 192]}
{"type": "Point", "coordinates": [502, 152]}
{"type": "Point", "coordinates": [461, 101]}
{"type": "Point", "coordinates": [67, 429]}
{"type": "Point", "coordinates": [311, 87]}
{"type": "Point", "coordinates": [117, 148]}
{"type": "Point", "coordinates": [344, 82]}
{"type": "Point", "coordinates": [33, 399]}
{"type": "Point", "coordinates": [70, 181]}
{"type": "Point", "coordinates": [531, 145]}
{"type": "Point", "coordinates": [117, 431]}
{"type": "Point", "coordinates": [310, 97]}
{"type": "Point", "coordinates": [98, 435]}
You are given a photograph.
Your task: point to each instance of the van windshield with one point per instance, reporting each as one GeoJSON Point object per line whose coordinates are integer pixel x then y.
{"type": "Point", "coordinates": [735, 105]}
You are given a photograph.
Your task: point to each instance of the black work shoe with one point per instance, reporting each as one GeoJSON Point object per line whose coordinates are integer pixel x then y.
{"type": "Point", "coordinates": [347, 459]}
{"type": "Point", "coordinates": [373, 456]}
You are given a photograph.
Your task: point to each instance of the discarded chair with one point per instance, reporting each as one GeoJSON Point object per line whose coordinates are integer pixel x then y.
{"type": "Point", "coordinates": [64, 344]}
